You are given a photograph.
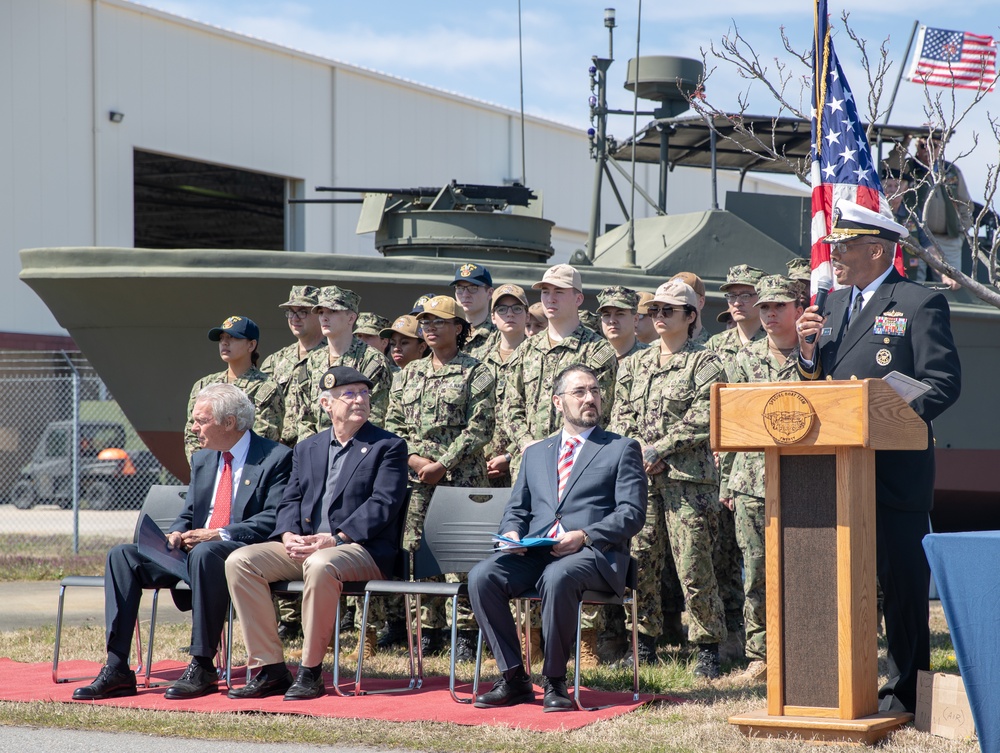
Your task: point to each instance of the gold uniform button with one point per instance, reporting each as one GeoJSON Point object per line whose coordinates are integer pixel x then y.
{"type": "Point", "coordinates": [885, 340]}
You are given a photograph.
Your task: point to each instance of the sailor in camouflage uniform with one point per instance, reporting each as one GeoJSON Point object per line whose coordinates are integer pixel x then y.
{"type": "Point", "coordinates": [238, 337]}
{"type": "Point", "coordinates": [741, 294]}
{"type": "Point", "coordinates": [510, 314]}
{"type": "Point", "coordinates": [289, 363]}
{"type": "Point", "coordinates": [405, 341]}
{"type": "Point", "coordinates": [701, 334]}
{"type": "Point", "coordinates": [474, 292]}
{"type": "Point", "coordinates": [644, 328]}
{"type": "Point", "coordinates": [800, 271]}
{"type": "Point", "coordinates": [618, 308]}
{"type": "Point", "coordinates": [338, 310]}
{"type": "Point", "coordinates": [368, 328]}
{"type": "Point", "coordinates": [662, 400]}
{"type": "Point", "coordinates": [773, 359]}
{"type": "Point", "coordinates": [443, 407]}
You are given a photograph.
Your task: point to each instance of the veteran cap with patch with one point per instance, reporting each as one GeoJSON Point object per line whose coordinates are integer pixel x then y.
{"type": "Point", "coordinates": [338, 376]}
{"type": "Point", "coordinates": [742, 274]}
{"type": "Point", "coordinates": [676, 293]}
{"type": "Point", "coordinates": [851, 220]}
{"type": "Point", "coordinates": [799, 269]}
{"type": "Point", "coordinates": [515, 291]}
{"type": "Point", "coordinates": [561, 276]}
{"type": "Point", "coordinates": [418, 305]}
{"type": "Point", "coordinates": [370, 324]}
{"type": "Point", "coordinates": [301, 296]}
{"type": "Point", "coordinates": [442, 307]}
{"type": "Point", "coordinates": [776, 289]}
{"type": "Point", "coordinates": [473, 273]}
{"type": "Point", "coordinates": [406, 325]}
{"type": "Point", "coordinates": [239, 327]}
{"type": "Point", "coordinates": [337, 299]}
{"type": "Point", "coordinates": [617, 297]}
{"type": "Point", "coordinates": [696, 283]}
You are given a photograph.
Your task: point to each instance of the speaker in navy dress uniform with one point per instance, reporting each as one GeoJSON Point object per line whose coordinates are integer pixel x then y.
{"type": "Point", "coordinates": [237, 480]}
{"type": "Point", "coordinates": [586, 487]}
{"type": "Point", "coordinates": [878, 323]}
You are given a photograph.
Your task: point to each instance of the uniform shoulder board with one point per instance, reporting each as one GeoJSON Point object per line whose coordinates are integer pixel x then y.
{"type": "Point", "coordinates": [709, 372]}
{"type": "Point", "coordinates": [483, 380]}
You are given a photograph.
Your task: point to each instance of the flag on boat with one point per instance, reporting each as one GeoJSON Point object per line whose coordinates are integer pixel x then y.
{"type": "Point", "coordinates": [842, 165]}
{"type": "Point", "coordinates": [957, 59]}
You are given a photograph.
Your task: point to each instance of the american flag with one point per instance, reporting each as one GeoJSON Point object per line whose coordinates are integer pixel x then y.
{"type": "Point", "coordinates": [956, 59]}
{"type": "Point", "coordinates": [842, 165]}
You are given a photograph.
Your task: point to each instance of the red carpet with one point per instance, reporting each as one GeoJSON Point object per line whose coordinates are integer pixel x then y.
{"type": "Point", "coordinates": [432, 703]}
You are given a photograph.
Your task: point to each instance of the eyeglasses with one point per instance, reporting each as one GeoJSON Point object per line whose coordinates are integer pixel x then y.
{"type": "Point", "coordinates": [468, 289]}
{"type": "Point", "coordinates": [516, 309]}
{"type": "Point", "coordinates": [297, 313]}
{"type": "Point", "coordinates": [655, 311]}
{"type": "Point", "coordinates": [581, 392]}
{"type": "Point", "coordinates": [350, 396]}
{"type": "Point", "coordinates": [741, 297]}
{"type": "Point", "coordinates": [434, 323]}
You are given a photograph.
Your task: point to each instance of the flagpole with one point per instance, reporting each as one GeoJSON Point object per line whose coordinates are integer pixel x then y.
{"type": "Point", "coordinates": [895, 89]}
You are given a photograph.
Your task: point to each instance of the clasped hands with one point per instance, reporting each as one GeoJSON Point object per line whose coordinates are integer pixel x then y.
{"type": "Point", "coordinates": [298, 547]}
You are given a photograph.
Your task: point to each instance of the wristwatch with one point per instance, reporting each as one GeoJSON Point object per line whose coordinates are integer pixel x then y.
{"type": "Point", "coordinates": [586, 539]}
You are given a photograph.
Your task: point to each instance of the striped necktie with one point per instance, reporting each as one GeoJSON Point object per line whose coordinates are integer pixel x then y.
{"type": "Point", "coordinates": [222, 510]}
{"type": "Point", "coordinates": [565, 466]}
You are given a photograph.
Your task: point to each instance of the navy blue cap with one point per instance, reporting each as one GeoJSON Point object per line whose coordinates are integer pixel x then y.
{"type": "Point", "coordinates": [240, 327]}
{"type": "Point", "coordinates": [473, 273]}
{"type": "Point", "coordinates": [338, 375]}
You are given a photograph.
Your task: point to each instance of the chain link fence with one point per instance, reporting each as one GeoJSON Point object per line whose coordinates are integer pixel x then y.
{"type": "Point", "coordinates": [73, 470]}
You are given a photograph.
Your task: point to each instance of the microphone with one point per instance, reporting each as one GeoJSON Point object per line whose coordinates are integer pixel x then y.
{"type": "Point", "coordinates": [822, 292]}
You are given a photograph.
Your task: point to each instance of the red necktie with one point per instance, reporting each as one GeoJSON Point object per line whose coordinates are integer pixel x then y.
{"type": "Point", "coordinates": [223, 495]}
{"type": "Point", "coordinates": [565, 466]}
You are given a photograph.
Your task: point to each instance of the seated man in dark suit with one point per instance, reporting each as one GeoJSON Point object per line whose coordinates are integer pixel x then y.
{"type": "Point", "coordinates": [237, 479]}
{"type": "Point", "coordinates": [338, 521]}
{"type": "Point", "coordinates": [586, 487]}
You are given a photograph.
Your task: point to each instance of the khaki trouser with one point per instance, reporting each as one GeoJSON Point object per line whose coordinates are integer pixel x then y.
{"type": "Point", "coordinates": [324, 573]}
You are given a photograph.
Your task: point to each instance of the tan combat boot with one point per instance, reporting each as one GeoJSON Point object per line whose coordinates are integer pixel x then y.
{"type": "Point", "coordinates": [371, 646]}
{"type": "Point", "coordinates": [587, 650]}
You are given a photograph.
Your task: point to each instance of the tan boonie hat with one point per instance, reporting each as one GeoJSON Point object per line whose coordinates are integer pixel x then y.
{"type": "Point", "coordinates": [852, 220]}
{"type": "Point", "coordinates": [644, 298]}
{"type": "Point", "coordinates": [370, 324]}
{"type": "Point", "coordinates": [618, 297]}
{"type": "Point", "coordinates": [515, 291]}
{"type": "Point", "coordinates": [777, 289]}
{"type": "Point", "coordinates": [742, 274]}
{"type": "Point", "coordinates": [442, 307]}
{"type": "Point", "coordinates": [799, 269]}
{"type": "Point", "coordinates": [338, 299]}
{"type": "Point", "coordinates": [676, 293]}
{"type": "Point", "coordinates": [561, 276]}
{"type": "Point", "coordinates": [537, 310]}
{"type": "Point", "coordinates": [404, 325]}
{"type": "Point", "coordinates": [696, 283]}
{"type": "Point", "coordinates": [304, 296]}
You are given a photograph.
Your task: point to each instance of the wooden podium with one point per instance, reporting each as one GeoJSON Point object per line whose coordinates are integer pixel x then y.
{"type": "Point", "coordinates": [819, 441]}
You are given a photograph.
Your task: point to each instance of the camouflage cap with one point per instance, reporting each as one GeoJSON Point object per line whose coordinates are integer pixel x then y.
{"type": "Point", "coordinates": [370, 324]}
{"type": "Point", "coordinates": [442, 307]}
{"type": "Point", "coordinates": [742, 274]}
{"type": "Point", "coordinates": [561, 276]}
{"type": "Point", "coordinates": [590, 320]}
{"type": "Point", "coordinates": [240, 327]}
{"type": "Point", "coordinates": [799, 269]}
{"type": "Point", "coordinates": [676, 293]}
{"type": "Point", "coordinates": [618, 297]}
{"type": "Point", "coordinates": [696, 283]}
{"type": "Point", "coordinates": [473, 273]}
{"type": "Point", "coordinates": [404, 325]}
{"type": "Point", "coordinates": [304, 296]}
{"type": "Point", "coordinates": [418, 305]}
{"type": "Point", "coordinates": [644, 297]}
{"type": "Point", "coordinates": [338, 299]}
{"type": "Point", "coordinates": [776, 289]}
{"type": "Point", "coordinates": [340, 375]}
{"type": "Point", "coordinates": [515, 291]}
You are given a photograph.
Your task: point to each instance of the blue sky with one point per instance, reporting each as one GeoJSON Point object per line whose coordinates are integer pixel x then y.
{"type": "Point", "coordinates": [471, 47]}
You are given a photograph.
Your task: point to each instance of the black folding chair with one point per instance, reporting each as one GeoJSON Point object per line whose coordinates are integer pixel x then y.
{"type": "Point", "coordinates": [163, 504]}
{"type": "Point", "coordinates": [458, 532]}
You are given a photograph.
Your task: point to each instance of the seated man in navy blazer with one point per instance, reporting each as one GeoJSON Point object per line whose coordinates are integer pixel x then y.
{"type": "Point", "coordinates": [338, 521]}
{"type": "Point", "coordinates": [586, 487]}
{"type": "Point", "coordinates": [237, 480]}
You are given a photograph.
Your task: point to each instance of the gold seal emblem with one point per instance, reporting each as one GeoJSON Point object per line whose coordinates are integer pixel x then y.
{"type": "Point", "coordinates": [788, 417]}
{"type": "Point", "coordinates": [231, 322]}
{"type": "Point", "coordinates": [466, 270]}
{"type": "Point", "coordinates": [329, 382]}
{"type": "Point", "coordinates": [883, 357]}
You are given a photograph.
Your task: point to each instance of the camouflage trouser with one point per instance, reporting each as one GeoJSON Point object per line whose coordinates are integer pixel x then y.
{"type": "Point", "coordinates": [684, 517]}
{"type": "Point", "coordinates": [729, 569]}
{"type": "Point", "coordinates": [671, 593]}
{"type": "Point", "coordinates": [750, 523]}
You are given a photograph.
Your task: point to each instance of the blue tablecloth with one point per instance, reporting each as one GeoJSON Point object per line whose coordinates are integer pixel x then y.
{"type": "Point", "coordinates": [966, 569]}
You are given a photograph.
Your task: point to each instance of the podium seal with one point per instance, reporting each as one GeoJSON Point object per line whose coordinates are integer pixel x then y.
{"type": "Point", "coordinates": [788, 417]}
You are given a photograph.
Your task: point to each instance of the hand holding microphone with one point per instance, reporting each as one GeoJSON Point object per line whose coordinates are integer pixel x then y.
{"type": "Point", "coordinates": [823, 290]}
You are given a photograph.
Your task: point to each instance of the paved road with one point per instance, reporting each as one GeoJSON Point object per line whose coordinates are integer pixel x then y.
{"type": "Point", "coordinates": [49, 519]}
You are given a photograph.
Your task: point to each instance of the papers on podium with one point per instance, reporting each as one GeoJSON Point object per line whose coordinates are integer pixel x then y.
{"type": "Point", "coordinates": [505, 543]}
{"type": "Point", "coordinates": [906, 387]}
{"type": "Point", "coordinates": [153, 544]}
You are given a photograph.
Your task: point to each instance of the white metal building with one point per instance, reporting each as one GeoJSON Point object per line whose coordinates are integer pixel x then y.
{"type": "Point", "coordinates": [179, 89]}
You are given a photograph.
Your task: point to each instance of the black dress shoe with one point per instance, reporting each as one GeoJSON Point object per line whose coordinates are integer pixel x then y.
{"type": "Point", "coordinates": [264, 684]}
{"type": "Point", "coordinates": [507, 693]}
{"type": "Point", "coordinates": [109, 683]}
{"type": "Point", "coordinates": [556, 696]}
{"type": "Point", "coordinates": [308, 684]}
{"type": "Point", "coordinates": [194, 683]}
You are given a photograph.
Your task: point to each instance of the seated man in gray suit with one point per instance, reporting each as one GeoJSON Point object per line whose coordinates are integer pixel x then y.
{"type": "Point", "coordinates": [237, 479]}
{"type": "Point", "coordinates": [586, 487]}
